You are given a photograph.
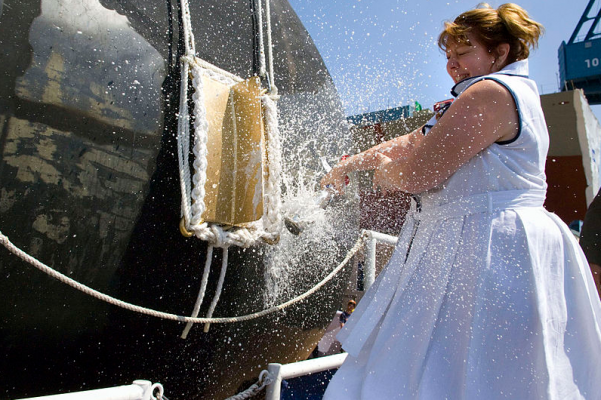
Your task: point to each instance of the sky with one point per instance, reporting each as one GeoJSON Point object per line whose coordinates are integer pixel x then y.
{"type": "Point", "coordinates": [383, 53]}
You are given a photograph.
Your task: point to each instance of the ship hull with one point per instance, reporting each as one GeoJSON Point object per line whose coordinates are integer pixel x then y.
{"type": "Point", "coordinates": [89, 185]}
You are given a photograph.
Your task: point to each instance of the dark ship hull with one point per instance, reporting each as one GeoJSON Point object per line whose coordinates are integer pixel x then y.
{"type": "Point", "coordinates": [89, 185]}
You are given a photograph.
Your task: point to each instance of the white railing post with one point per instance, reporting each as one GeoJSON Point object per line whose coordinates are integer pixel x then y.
{"type": "Point", "coordinates": [138, 390]}
{"type": "Point", "coordinates": [372, 239]}
{"type": "Point", "coordinates": [275, 387]}
{"type": "Point", "coordinates": [370, 262]}
{"type": "Point", "coordinates": [280, 372]}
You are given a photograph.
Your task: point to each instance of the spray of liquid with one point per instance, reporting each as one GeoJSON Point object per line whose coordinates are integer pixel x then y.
{"type": "Point", "coordinates": [323, 226]}
{"type": "Point", "coordinates": [297, 220]}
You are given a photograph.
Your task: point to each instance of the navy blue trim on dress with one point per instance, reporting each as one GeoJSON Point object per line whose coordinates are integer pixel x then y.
{"type": "Point", "coordinates": [517, 105]}
{"type": "Point", "coordinates": [470, 81]}
{"type": "Point", "coordinates": [464, 84]}
{"type": "Point", "coordinates": [508, 74]}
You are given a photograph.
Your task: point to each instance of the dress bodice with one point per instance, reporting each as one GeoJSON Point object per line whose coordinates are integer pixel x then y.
{"type": "Point", "coordinates": [517, 164]}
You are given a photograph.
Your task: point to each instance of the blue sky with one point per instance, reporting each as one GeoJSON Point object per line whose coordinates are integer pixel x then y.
{"type": "Point", "coordinates": [383, 53]}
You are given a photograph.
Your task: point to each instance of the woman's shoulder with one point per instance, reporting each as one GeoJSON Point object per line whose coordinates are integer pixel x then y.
{"type": "Point", "coordinates": [488, 86]}
{"type": "Point", "coordinates": [489, 94]}
{"type": "Point", "coordinates": [493, 105]}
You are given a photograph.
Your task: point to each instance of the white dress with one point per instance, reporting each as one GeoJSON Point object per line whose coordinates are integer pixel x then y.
{"type": "Point", "coordinates": [487, 295]}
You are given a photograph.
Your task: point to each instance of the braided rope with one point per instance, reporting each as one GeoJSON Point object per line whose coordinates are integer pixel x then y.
{"type": "Point", "coordinates": [216, 73]}
{"type": "Point", "coordinates": [183, 143]}
{"type": "Point", "coordinates": [193, 193]}
{"type": "Point", "coordinates": [192, 186]}
{"type": "Point", "coordinates": [272, 176]}
{"type": "Point", "coordinates": [187, 25]}
{"type": "Point", "coordinates": [201, 130]}
{"type": "Point", "coordinates": [173, 317]}
{"type": "Point", "coordinates": [265, 379]}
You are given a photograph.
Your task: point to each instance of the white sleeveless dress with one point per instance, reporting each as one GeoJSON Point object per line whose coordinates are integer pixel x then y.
{"type": "Point", "coordinates": [487, 295]}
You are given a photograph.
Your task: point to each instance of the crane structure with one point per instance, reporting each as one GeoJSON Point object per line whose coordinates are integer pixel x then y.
{"type": "Point", "coordinates": [580, 58]}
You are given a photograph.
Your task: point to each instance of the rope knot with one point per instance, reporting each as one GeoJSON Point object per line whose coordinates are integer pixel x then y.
{"type": "Point", "coordinates": [189, 59]}
{"type": "Point", "coordinates": [265, 378]}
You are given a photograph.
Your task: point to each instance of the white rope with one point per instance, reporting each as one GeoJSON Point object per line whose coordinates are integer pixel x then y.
{"type": "Point", "coordinates": [273, 87]}
{"type": "Point", "coordinates": [216, 73]}
{"type": "Point", "coordinates": [183, 143]}
{"type": "Point", "coordinates": [187, 25]}
{"type": "Point", "coordinates": [272, 220]}
{"type": "Point", "coordinates": [259, 16]}
{"type": "Point", "coordinates": [219, 288]}
{"type": "Point", "coordinates": [265, 379]}
{"type": "Point", "coordinates": [173, 317]}
{"type": "Point", "coordinates": [201, 292]}
{"type": "Point", "coordinates": [192, 184]}
{"type": "Point", "coordinates": [193, 206]}
{"type": "Point", "coordinates": [201, 129]}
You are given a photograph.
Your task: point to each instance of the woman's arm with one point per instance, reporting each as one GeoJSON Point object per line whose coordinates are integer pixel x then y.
{"type": "Point", "coordinates": [368, 160]}
{"type": "Point", "coordinates": [483, 114]}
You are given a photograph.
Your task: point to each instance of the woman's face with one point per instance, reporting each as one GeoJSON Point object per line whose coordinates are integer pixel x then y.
{"type": "Point", "coordinates": [469, 60]}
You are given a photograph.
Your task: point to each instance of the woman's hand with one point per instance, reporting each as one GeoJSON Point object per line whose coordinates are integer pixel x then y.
{"type": "Point", "coordinates": [335, 179]}
{"type": "Point", "coordinates": [381, 179]}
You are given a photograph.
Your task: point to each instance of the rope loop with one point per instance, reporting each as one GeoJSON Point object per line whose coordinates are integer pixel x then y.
{"type": "Point", "coordinates": [265, 379]}
{"type": "Point", "coordinates": [158, 389]}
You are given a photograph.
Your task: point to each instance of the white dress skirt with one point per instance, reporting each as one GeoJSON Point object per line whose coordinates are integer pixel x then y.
{"type": "Point", "coordinates": [487, 295]}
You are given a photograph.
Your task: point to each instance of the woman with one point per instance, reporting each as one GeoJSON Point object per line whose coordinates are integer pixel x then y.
{"type": "Point", "coordinates": [487, 295]}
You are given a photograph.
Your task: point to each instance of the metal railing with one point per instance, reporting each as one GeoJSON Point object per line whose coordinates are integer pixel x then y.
{"type": "Point", "coordinates": [372, 239]}
{"type": "Point", "coordinates": [287, 371]}
{"type": "Point", "coordinates": [138, 390]}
